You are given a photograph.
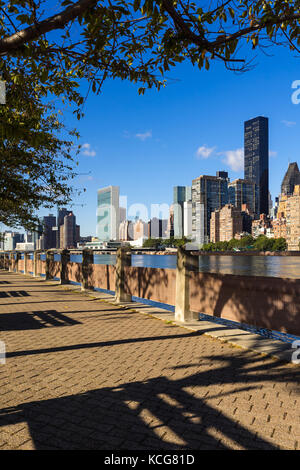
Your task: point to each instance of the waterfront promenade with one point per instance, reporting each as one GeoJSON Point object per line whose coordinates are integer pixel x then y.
{"type": "Point", "coordinates": [82, 373]}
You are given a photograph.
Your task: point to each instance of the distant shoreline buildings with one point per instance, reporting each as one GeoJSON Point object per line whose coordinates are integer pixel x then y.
{"type": "Point", "coordinates": [215, 209]}
{"type": "Point", "coordinates": [211, 209]}
{"type": "Point", "coordinates": [59, 232]}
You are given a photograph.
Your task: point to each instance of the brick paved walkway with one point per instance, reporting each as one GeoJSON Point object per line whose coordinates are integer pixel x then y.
{"type": "Point", "coordinates": [83, 374]}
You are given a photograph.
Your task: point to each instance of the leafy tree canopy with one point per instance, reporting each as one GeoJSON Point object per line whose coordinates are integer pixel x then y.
{"type": "Point", "coordinates": [139, 40]}
{"type": "Point", "coordinates": [47, 48]}
{"type": "Point", "coordinates": [35, 157]}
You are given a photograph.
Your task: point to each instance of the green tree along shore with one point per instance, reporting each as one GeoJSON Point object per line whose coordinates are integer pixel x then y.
{"type": "Point", "coordinates": [157, 243]}
{"type": "Point", "coordinates": [247, 243]}
{"type": "Point", "coordinates": [261, 243]}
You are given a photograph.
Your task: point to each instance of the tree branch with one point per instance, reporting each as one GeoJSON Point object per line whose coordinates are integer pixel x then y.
{"type": "Point", "coordinates": [33, 32]}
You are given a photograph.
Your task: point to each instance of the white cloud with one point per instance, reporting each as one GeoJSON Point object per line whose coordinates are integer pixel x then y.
{"type": "Point", "coordinates": [87, 150]}
{"type": "Point", "coordinates": [204, 151]}
{"type": "Point", "coordinates": [144, 136]}
{"type": "Point", "coordinates": [288, 123]}
{"type": "Point", "coordinates": [272, 153]}
{"type": "Point", "coordinates": [234, 159]}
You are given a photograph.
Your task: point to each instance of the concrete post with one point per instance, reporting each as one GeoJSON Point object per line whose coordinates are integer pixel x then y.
{"type": "Point", "coordinates": [87, 266]}
{"type": "Point", "coordinates": [11, 262]}
{"type": "Point", "coordinates": [18, 257]}
{"type": "Point", "coordinates": [185, 264]}
{"type": "Point", "coordinates": [36, 254]}
{"type": "Point", "coordinates": [49, 259]}
{"type": "Point", "coordinates": [64, 259]}
{"type": "Point", "coordinates": [26, 255]}
{"type": "Point", "coordinates": [6, 261]}
{"type": "Point", "coordinates": [123, 259]}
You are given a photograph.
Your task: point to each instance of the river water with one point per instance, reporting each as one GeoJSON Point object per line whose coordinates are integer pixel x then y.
{"type": "Point", "coordinates": [273, 266]}
{"type": "Point", "coordinates": [270, 266]}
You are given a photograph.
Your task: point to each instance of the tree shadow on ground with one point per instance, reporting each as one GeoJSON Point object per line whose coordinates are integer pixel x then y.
{"type": "Point", "coordinates": [14, 293]}
{"type": "Point", "coordinates": [158, 413]}
{"type": "Point", "coordinates": [34, 320]}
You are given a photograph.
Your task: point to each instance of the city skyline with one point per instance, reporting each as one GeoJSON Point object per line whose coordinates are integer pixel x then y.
{"type": "Point", "coordinates": [148, 144]}
{"type": "Point", "coordinates": [146, 216]}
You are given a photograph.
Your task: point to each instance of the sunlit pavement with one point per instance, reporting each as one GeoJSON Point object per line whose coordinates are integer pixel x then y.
{"type": "Point", "coordinates": [81, 373]}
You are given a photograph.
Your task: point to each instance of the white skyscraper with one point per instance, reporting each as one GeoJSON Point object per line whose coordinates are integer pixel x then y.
{"type": "Point", "coordinates": [108, 213]}
{"type": "Point", "coordinates": [187, 219]}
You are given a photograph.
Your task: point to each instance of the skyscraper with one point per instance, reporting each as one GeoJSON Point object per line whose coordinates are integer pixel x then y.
{"type": "Point", "coordinates": [208, 194]}
{"type": "Point", "coordinates": [61, 213]}
{"type": "Point", "coordinates": [70, 231]}
{"type": "Point", "coordinates": [256, 162]}
{"type": "Point", "coordinates": [49, 235]}
{"type": "Point", "coordinates": [108, 213]}
{"type": "Point", "coordinates": [244, 192]}
{"type": "Point", "coordinates": [181, 194]}
{"type": "Point", "coordinates": [290, 180]}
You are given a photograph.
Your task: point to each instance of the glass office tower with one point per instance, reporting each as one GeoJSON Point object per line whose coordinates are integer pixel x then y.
{"type": "Point", "coordinates": [181, 194]}
{"type": "Point", "coordinates": [208, 194]}
{"type": "Point", "coordinates": [108, 213]}
{"type": "Point", "coordinates": [243, 192]}
{"type": "Point", "coordinates": [256, 162]}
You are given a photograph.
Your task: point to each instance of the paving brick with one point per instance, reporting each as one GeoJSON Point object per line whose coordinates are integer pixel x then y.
{"type": "Point", "coordinates": [85, 374]}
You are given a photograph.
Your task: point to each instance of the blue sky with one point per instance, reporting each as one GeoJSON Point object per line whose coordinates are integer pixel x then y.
{"type": "Point", "coordinates": [148, 144]}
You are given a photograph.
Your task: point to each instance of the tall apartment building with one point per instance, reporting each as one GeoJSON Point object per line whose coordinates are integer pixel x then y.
{"type": "Point", "coordinates": [170, 225]}
{"type": "Point", "coordinates": [209, 193]}
{"type": "Point", "coordinates": [108, 213]}
{"type": "Point", "coordinates": [293, 219]}
{"type": "Point", "coordinates": [126, 230]}
{"type": "Point", "coordinates": [181, 195]}
{"type": "Point", "coordinates": [279, 228]}
{"type": "Point", "coordinates": [225, 223]}
{"type": "Point", "coordinates": [187, 219]}
{"type": "Point", "coordinates": [48, 237]}
{"type": "Point", "coordinates": [215, 226]}
{"type": "Point", "coordinates": [157, 228]}
{"type": "Point", "coordinates": [140, 229]}
{"type": "Point", "coordinates": [69, 232]}
{"type": "Point", "coordinates": [244, 192]}
{"type": "Point", "coordinates": [290, 180]}
{"type": "Point", "coordinates": [123, 214]}
{"type": "Point", "coordinates": [256, 161]}
{"type": "Point", "coordinates": [248, 217]}
{"type": "Point", "coordinates": [61, 213]}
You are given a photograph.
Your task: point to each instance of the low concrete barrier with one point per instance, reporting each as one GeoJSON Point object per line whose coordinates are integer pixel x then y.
{"type": "Point", "coordinates": [266, 302]}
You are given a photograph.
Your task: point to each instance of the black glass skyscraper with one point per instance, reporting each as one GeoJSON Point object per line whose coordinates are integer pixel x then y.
{"type": "Point", "coordinates": [256, 163]}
